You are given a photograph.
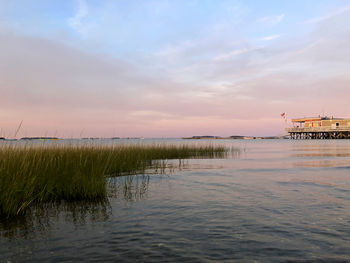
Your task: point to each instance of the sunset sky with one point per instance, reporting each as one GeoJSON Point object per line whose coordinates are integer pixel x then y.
{"type": "Point", "coordinates": [157, 68]}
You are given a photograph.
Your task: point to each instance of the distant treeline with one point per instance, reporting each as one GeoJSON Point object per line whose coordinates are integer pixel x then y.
{"type": "Point", "coordinates": [39, 138]}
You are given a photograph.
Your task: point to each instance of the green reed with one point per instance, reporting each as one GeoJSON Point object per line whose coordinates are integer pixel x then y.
{"type": "Point", "coordinates": [38, 174]}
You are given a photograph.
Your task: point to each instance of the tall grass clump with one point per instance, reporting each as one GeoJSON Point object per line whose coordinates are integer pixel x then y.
{"type": "Point", "coordinates": [37, 174]}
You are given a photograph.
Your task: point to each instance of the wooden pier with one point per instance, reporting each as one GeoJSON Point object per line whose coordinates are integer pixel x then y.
{"type": "Point", "coordinates": [321, 128]}
{"type": "Point", "coordinates": [320, 134]}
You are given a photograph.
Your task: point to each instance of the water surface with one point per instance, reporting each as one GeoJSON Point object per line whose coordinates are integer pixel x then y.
{"type": "Point", "coordinates": [278, 200]}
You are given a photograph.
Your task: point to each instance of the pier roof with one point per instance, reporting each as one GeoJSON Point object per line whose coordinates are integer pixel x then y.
{"type": "Point", "coordinates": [305, 119]}
{"type": "Point", "coordinates": [301, 120]}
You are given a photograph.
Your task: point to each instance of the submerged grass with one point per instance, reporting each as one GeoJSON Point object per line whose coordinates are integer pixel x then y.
{"type": "Point", "coordinates": [38, 174]}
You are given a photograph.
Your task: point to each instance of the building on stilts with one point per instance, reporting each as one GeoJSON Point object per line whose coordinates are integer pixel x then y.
{"type": "Point", "coordinates": [320, 128]}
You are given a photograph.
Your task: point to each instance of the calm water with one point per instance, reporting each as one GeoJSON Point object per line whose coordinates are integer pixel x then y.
{"type": "Point", "coordinates": [279, 200]}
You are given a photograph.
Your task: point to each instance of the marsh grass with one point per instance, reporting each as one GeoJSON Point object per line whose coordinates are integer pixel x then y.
{"type": "Point", "coordinates": [39, 174]}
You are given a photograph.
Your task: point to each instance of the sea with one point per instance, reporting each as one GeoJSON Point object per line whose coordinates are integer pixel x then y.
{"type": "Point", "coordinates": [269, 201]}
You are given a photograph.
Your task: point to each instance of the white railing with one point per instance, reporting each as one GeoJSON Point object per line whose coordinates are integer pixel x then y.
{"type": "Point", "coordinates": [319, 129]}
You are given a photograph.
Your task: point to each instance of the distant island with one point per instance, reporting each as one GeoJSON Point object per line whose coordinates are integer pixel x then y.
{"type": "Point", "coordinates": [235, 137]}
{"type": "Point", "coordinates": [39, 138]}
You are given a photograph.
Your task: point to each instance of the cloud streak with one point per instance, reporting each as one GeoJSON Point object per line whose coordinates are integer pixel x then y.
{"type": "Point", "coordinates": [268, 38]}
{"type": "Point", "coordinates": [328, 16]}
{"type": "Point", "coordinates": [272, 20]}
{"type": "Point", "coordinates": [75, 22]}
{"type": "Point", "coordinates": [234, 53]}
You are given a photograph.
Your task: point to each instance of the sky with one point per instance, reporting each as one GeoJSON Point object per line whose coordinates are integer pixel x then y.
{"type": "Point", "coordinates": [161, 68]}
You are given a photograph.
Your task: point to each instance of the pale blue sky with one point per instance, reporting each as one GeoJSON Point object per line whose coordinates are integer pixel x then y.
{"type": "Point", "coordinates": [161, 68]}
{"type": "Point", "coordinates": [144, 26]}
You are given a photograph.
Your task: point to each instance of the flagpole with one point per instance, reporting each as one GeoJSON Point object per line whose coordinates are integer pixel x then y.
{"type": "Point", "coordinates": [285, 123]}
{"type": "Point", "coordinates": [284, 116]}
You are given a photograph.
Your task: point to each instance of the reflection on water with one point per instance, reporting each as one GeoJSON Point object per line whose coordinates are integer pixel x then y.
{"type": "Point", "coordinates": [325, 150]}
{"type": "Point", "coordinates": [39, 219]}
{"type": "Point", "coordinates": [277, 201]}
{"type": "Point", "coordinates": [130, 188]}
{"type": "Point", "coordinates": [320, 155]}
